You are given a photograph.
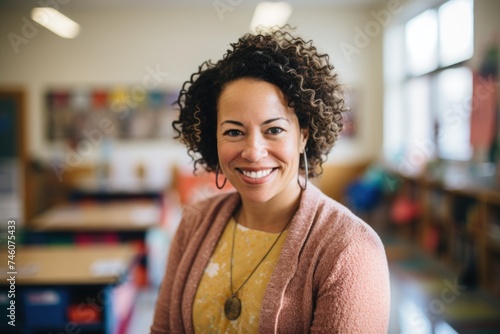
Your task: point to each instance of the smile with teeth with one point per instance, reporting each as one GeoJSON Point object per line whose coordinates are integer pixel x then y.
{"type": "Point", "coordinates": [256, 175]}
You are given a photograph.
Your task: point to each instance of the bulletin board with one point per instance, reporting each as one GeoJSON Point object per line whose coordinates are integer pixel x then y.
{"type": "Point", "coordinates": [125, 113]}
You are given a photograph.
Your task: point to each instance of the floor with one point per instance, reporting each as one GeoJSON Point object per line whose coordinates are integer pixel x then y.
{"type": "Point", "coordinates": [426, 299]}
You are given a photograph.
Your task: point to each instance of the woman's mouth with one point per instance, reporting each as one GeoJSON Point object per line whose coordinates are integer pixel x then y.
{"type": "Point", "coordinates": [256, 174]}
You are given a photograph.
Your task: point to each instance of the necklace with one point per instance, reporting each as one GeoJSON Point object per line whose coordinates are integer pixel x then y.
{"type": "Point", "coordinates": [232, 307]}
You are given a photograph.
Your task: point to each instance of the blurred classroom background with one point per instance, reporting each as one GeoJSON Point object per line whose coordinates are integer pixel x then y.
{"type": "Point", "coordinates": [92, 183]}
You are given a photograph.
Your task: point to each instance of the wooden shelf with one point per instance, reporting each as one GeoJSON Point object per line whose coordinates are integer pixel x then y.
{"type": "Point", "coordinates": [463, 209]}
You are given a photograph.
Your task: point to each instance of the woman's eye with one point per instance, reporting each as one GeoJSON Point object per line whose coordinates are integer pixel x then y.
{"type": "Point", "coordinates": [232, 133]}
{"type": "Point", "coordinates": [274, 130]}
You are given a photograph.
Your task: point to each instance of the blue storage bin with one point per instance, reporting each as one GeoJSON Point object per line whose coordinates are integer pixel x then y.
{"type": "Point", "coordinates": [45, 306]}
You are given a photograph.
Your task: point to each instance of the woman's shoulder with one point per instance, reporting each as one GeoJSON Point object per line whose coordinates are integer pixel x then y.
{"type": "Point", "coordinates": [338, 225]}
{"type": "Point", "coordinates": [213, 205]}
{"type": "Point", "coordinates": [203, 214]}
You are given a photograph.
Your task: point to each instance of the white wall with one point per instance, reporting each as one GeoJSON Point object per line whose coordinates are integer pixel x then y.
{"type": "Point", "coordinates": [116, 45]}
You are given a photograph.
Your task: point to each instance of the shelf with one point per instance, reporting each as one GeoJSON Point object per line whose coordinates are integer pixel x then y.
{"type": "Point", "coordinates": [454, 182]}
{"type": "Point", "coordinates": [463, 209]}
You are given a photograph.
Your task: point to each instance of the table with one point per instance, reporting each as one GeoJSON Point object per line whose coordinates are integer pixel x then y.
{"type": "Point", "coordinates": [57, 288]}
{"type": "Point", "coordinates": [83, 223]}
{"type": "Point", "coordinates": [112, 216]}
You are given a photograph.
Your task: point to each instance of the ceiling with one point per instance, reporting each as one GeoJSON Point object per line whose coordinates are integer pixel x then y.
{"type": "Point", "coordinates": [98, 4]}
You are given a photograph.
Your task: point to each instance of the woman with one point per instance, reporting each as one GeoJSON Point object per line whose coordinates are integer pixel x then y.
{"type": "Point", "coordinates": [277, 255]}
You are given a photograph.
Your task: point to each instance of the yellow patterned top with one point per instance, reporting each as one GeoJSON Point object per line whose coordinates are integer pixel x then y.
{"type": "Point", "coordinates": [249, 248]}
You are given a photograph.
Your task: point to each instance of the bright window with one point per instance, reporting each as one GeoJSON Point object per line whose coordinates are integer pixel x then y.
{"type": "Point", "coordinates": [428, 86]}
{"type": "Point", "coordinates": [455, 31]}
{"type": "Point", "coordinates": [420, 146]}
{"type": "Point", "coordinates": [454, 85]}
{"type": "Point", "coordinates": [422, 42]}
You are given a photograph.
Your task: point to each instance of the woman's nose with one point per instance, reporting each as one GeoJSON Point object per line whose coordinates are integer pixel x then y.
{"type": "Point", "coordinates": [254, 150]}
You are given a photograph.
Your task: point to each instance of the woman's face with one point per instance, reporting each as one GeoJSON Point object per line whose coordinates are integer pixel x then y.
{"type": "Point", "coordinates": [259, 140]}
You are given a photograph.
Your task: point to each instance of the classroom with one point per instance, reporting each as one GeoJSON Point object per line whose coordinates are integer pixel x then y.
{"type": "Point", "coordinates": [94, 183]}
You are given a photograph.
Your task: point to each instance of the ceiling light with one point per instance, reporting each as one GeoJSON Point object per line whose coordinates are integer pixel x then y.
{"type": "Point", "coordinates": [55, 21]}
{"type": "Point", "coordinates": [269, 14]}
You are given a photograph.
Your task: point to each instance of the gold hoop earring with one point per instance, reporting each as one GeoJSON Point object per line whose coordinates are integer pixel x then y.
{"type": "Point", "coordinates": [217, 178]}
{"type": "Point", "coordinates": [306, 169]}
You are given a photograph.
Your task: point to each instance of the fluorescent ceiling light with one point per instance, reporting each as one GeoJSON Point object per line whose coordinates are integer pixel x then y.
{"type": "Point", "coordinates": [268, 14]}
{"type": "Point", "coordinates": [55, 21]}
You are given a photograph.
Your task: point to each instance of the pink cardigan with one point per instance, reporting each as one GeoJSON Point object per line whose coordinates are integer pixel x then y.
{"type": "Point", "coordinates": [332, 275]}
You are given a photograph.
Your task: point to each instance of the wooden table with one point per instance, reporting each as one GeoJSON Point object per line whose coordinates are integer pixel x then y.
{"type": "Point", "coordinates": [52, 283]}
{"type": "Point", "coordinates": [97, 223]}
{"type": "Point", "coordinates": [98, 264]}
{"type": "Point", "coordinates": [113, 216]}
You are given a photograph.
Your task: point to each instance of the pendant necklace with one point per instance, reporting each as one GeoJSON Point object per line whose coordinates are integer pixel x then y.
{"type": "Point", "coordinates": [232, 307]}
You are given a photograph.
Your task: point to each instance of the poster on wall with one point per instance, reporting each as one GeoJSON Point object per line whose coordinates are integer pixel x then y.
{"type": "Point", "coordinates": [119, 113]}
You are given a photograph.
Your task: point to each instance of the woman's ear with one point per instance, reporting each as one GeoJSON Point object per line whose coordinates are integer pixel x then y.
{"type": "Point", "coordinates": [304, 135]}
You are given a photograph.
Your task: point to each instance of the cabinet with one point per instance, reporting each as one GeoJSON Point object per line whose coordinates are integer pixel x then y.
{"type": "Point", "coordinates": [458, 222]}
{"type": "Point", "coordinates": [490, 241]}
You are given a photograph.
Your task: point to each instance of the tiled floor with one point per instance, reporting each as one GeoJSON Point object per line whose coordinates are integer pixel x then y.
{"type": "Point", "coordinates": [429, 298]}
{"type": "Point", "coordinates": [426, 299]}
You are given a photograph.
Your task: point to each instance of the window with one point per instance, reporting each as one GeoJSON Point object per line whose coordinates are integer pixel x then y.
{"type": "Point", "coordinates": [421, 36]}
{"type": "Point", "coordinates": [428, 85]}
{"type": "Point", "coordinates": [455, 31]}
{"type": "Point", "coordinates": [453, 113]}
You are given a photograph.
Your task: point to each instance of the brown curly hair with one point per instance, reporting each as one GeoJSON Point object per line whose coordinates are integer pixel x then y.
{"type": "Point", "coordinates": [294, 65]}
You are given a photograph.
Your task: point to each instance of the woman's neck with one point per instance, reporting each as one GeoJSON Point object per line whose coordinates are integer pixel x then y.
{"type": "Point", "coordinates": [271, 216]}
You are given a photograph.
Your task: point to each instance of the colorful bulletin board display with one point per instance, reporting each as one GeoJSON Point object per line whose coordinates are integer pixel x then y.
{"type": "Point", "coordinates": [119, 113]}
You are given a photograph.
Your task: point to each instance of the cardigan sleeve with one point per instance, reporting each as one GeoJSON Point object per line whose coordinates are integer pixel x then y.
{"type": "Point", "coordinates": [161, 322]}
{"type": "Point", "coordinates": [354, 294]}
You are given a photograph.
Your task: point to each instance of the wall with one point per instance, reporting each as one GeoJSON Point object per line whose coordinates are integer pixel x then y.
{"type": "Point", "coordinates": [486, 28]}
{"type": "Point", "coordinates": [116, 45]}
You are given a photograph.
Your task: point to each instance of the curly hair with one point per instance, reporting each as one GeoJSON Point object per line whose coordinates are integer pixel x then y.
{"type": "Point", "coordinates": [305, 77]}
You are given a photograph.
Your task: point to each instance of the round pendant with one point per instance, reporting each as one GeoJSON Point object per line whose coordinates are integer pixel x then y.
{"type": "Point", "coordinates": [232, 308]}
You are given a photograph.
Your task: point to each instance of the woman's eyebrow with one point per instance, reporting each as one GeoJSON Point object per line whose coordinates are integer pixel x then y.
{"type": "Point", "coordinates": [263, 123]}
{"type": "Point", "coordinates": [232, 122]}
{"type": "Point", "coordinates": [274, 120]}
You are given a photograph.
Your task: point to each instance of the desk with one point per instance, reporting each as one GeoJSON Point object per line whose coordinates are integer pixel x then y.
{"type": "Point", "coordinates": [72, 265]}
{"type": "Point", "coordinates": [112, 216]}
{"type": "Point", "coordinates": [97, 223]}
{"type": "Point", "coordinates": [84, 288]}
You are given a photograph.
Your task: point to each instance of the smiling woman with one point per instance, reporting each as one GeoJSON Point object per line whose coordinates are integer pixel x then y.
{"type": "Point", "coordinates": [277, 255]}
{"type": "Point", "coordinates": [259, 143]}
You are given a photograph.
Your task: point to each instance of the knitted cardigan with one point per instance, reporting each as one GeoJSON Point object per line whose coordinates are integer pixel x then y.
{"type": "Point", "coordinates": [331, 277]}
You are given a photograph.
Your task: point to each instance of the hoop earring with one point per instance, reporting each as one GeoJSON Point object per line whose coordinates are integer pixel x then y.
{"type": "Point", "coordinates": [217, 178]}
{"type": "Point", "coordinates": [306, 169]}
